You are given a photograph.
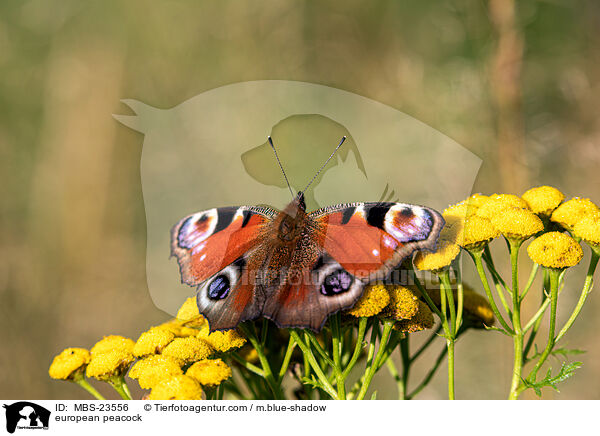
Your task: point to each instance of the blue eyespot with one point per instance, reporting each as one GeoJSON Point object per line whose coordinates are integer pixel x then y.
{"type": "Point", "coordinates": [219, 288]}
{"type": "Point", "coordinates": [337, 282]}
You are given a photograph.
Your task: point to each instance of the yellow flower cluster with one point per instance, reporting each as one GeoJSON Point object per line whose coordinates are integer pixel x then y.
{"type": "Point", "coordinates": [543, 199]}
{"type": "Point", "coordinates": [588, 229]}
{"type": "Point", "coordinates": [178, 387]}
{"type": "Point", "coordinates": [395, 302]}
{"type": "Point", "coordinates": [555, 250]}
{"type": "Point", "coordinates": [69, 364]}
{"type": "Point", "coordinates": [571, 212]}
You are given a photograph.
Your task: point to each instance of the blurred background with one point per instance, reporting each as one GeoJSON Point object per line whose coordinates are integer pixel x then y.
{"type": "Point", "coordinates": [516, 83]}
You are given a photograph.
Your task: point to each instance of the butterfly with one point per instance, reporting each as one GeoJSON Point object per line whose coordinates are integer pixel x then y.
{"type": "Point", "coordinates": [294, 267]}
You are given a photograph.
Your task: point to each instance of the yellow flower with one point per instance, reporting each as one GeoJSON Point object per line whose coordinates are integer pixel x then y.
{"type": "Point", "coordinates": [555, 250]}
{"type": "Point", "coordinates": [543, 199]}
{"type": "Point", "coordinates": [478, 232]}
{"type": "Point", "coordinates": [177, 387]}
{"type": "Point", "coordinates": [113, 342]}
{"type": "Point", "coordinates": [189, 314]}
{"type": "Point", "coordinates": [209, 372]}
{"type": "Point", "coordinates": [153, 341]}
{"type": "Point", "coordinates": [188, 349]}
{"type": "Point", "coordinates": [222, 341]}
{"type": "Point", "coordinates": [374, 298]}
{"type": "Point", "coordinates": [570, 212]}
{"type": "Point", "coordinates": [106, 365]}
{"type": "Point", "coordinates": [69, 364]}
{"type": "Point", "coordinates": [153, 369]}
{"type": "Point", "coordinates": [421, 320]}
{"type": "Point", "coordinates": [588, 229]}
{"type": "Point", "coordinates": [404, 303]}
{"type": "Point", "coordinates": [443, 256]}
{"type": "Point", "coordinates": [497, 203]}
{"type": "Point", "coordinates": [517, 223]}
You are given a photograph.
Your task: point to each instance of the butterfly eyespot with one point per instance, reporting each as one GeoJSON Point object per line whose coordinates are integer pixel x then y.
{"type": "Point", "coordinates": [337, 282]}
{"type": "Point", "coordinates": [219, 288]}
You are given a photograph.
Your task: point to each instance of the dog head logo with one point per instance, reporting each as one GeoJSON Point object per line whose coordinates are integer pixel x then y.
{"type": "Point", "coordinates": [26, 415]}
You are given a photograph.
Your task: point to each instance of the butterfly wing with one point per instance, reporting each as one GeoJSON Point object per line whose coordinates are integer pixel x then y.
{"type": "Point", "coordinates": [343, 248]}
{"type": "Point", "coordinates": [213, 249]}
{"type": "Point", "coordinates": [371, 239]}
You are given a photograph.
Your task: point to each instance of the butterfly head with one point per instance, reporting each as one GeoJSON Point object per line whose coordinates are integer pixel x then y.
{"type": "Point", "coordinates": [299, 201]}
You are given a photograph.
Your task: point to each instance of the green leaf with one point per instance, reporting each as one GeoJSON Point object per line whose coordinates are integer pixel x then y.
{"type": "Point", "coordinates": [559, 352]}
{"type": "Point", "coordinates": [566, 371]}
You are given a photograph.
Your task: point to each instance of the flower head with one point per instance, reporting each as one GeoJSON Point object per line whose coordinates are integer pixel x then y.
{"type": "Point", "coordinates": [555, 250]}
{"type": "Point", "coordinates": [404, 303]}
{"type": "Point", "coordinates": [112, 342]}
{"type": "Point", "coordinates": [588, 229]}
{"type": "Point", "coordinates": [543, 199]}
{"type": "Point", "coordinates": [188, 349]}
{"type": "Point", "coordinates": [421, 320]}
{"type": "Point", "coordinates": [497, 203]}
{"type": "Point", "coordinates": [374, 298]}
{"type": "Point", "coordinates": [517, 223]}
{"type": "Point", "coordinates": [222, 341]}
{"type": "Point", "coordinates": [570, 212]}
{"type": "Point", "coordinates": [153, 369]}
{"type": "Point", "coordinates": [189, 313]}
{"type": "Point", "coordinates": [177, 387]}
{"type": "Point", "coordinates": [152, 341]}
{"type": "Point", "coordinates": [443, 256]}
{"type": "Point", "coordinates": [106, 365]}
{"type": "Point", "coordinates": [69, 364]}
{"type": "Point", "coordinates": [478, 232]}
{"type": "Point", "coordinates": [209, 372]}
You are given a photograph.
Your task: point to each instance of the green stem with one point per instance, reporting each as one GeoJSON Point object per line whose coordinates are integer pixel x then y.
{"type": "Point", "coordinates": [551, 330]}
{"type": "Point", "coordinates": [587, 288]}
{"type": "Point", "coordinates": [249, 366]}
{"type": "Point", "coordinates": [446, 289]}
{"type": "Point", "coordinates": [119, 385]}
{"type": "Point", "coordinates": [516, 321]}
{"type": "Point", "coordinates": [430, 374]}
{"type": "Point", "coordinates": [537, 318]}
{"type": "Point", "coordinates": [89, 388]}
{"type": "Point", "coordinates": [286, 358]}
{"type": "Point", "coordinates": [310, 359]}
{"type": "Point", "coordinates": [476, 256]}
{"type": "Point", "coordinates": [336, 344]}
{"type": "Point", "coordinates": [250, 333]}
{"type": "Point", "coordinates": [376, 360]}
{"type": "Point", "coordinates": [362, 328]}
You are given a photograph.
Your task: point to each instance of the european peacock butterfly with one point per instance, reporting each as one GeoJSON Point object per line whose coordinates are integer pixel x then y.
{"type": "Point", "coordinates": [293, 267]}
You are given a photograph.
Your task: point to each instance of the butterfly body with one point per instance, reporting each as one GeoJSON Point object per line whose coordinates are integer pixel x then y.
{"type": "Point", "coordinates": [293, 267]}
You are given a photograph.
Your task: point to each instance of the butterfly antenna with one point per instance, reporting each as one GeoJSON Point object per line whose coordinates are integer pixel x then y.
{"type": "Point", "coordinates": [281, 166]}
{"type": "Point", "coordinates": [325, 164]}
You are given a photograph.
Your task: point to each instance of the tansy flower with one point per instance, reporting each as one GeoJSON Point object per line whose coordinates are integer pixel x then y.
{"type": "Point", "coordinates": [518, 224]}
{"type": "Point", "coordinates": [570, 212]}
{"type": "Point", "coordinates": [374, 298]}
{"type": "Point", "coordinates": [422, 320]}
{"type": "Point", "coordinates": [209, 372]}
{"type": "Point", "coordinates": [153, 341]}
{"type": "Point", "coordinates": [112, 342]}
{"type": "Point", "coordinates": [497, 203]}
{"type": "Point", "coordinates": [543, 199]}
{"type": "Point", "coordinates": [222, 341]}
{"type": "Point", "coordinates": [110, 364]}
{"type": "Point", "coordinates": [555, 250]}
{"type": "Point", "coordinates": [188, 349]}
{"type": "Point", "coordinates": [443, 256]}
{"type": "Point", "coordinates": [404, 303]}
{"type": "Point", "coordinates": [588, 229]}
{"type": "Point", "coordinates": [189, 314]}
{"type": "Point", "coordinates": [153, 369]}
{"type": "Point", "coordinates": [478, 232]}
{"type": "Point", "coordinates": [177, 387]}
{"type": "Point", "coordinates": [69, 364]}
